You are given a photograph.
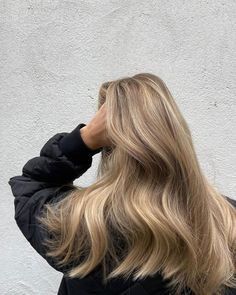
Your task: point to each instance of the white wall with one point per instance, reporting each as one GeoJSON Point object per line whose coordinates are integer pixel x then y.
{"type": "Point", "coordinates": [54, 56]}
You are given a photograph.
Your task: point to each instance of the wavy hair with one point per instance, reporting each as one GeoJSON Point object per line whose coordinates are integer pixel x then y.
{"type": "Point", "coordinates": [151, 208]}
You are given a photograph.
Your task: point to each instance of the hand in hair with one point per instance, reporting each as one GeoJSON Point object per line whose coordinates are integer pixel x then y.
{"type": "Point", "coordinates": [94, 133]}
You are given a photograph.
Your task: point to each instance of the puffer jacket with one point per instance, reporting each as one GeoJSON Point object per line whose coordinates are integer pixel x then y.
{"type": "Point", "coordinates": [48, 177]}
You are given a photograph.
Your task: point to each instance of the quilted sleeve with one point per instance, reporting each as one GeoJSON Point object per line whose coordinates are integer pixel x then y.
{"type": "Point", "coordinates": [62, 159]}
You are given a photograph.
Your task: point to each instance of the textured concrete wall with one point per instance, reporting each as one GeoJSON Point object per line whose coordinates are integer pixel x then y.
{"type": "Point", "coordinates": [55, 54]}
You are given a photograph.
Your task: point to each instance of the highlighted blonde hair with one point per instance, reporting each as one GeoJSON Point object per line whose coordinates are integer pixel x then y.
{"type": "Point", "coordinates": [151, 208]}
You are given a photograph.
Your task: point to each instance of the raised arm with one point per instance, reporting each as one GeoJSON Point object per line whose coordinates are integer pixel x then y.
{"type": "Point", "coordinates": [47, 177]}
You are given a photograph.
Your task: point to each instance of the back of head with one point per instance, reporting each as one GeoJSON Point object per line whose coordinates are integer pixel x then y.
{"type": "Point", "coordinates": [152, 193]}
{"type": "Point", "coordinates": [146, 126]}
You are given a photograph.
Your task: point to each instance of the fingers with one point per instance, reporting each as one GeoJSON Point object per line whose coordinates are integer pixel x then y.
{"type": "Point", "coordinates": [103, 107]}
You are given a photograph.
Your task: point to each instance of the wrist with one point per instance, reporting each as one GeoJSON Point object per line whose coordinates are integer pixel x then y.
{"type": "Point", "coordinates": [87, 138]}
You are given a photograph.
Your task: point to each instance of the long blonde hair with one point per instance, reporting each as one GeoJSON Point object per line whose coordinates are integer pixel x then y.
{"type": "Point", "coordinates": [151, 208]}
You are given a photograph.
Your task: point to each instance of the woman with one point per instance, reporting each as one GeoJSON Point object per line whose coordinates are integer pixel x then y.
{"type": "Point", "coordinates": [151, 223]}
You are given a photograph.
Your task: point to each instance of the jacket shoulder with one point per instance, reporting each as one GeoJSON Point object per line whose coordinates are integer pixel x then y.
{"type": "Point", "coordinates": [232, 201]}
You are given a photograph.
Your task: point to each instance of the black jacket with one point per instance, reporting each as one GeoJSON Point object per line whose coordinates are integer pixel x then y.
{"type": "Point", "coordinates": [48, 177]}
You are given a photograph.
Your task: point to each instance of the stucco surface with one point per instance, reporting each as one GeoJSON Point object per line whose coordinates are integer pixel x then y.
{"type": "Point", "coordinates": [55, 54]}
